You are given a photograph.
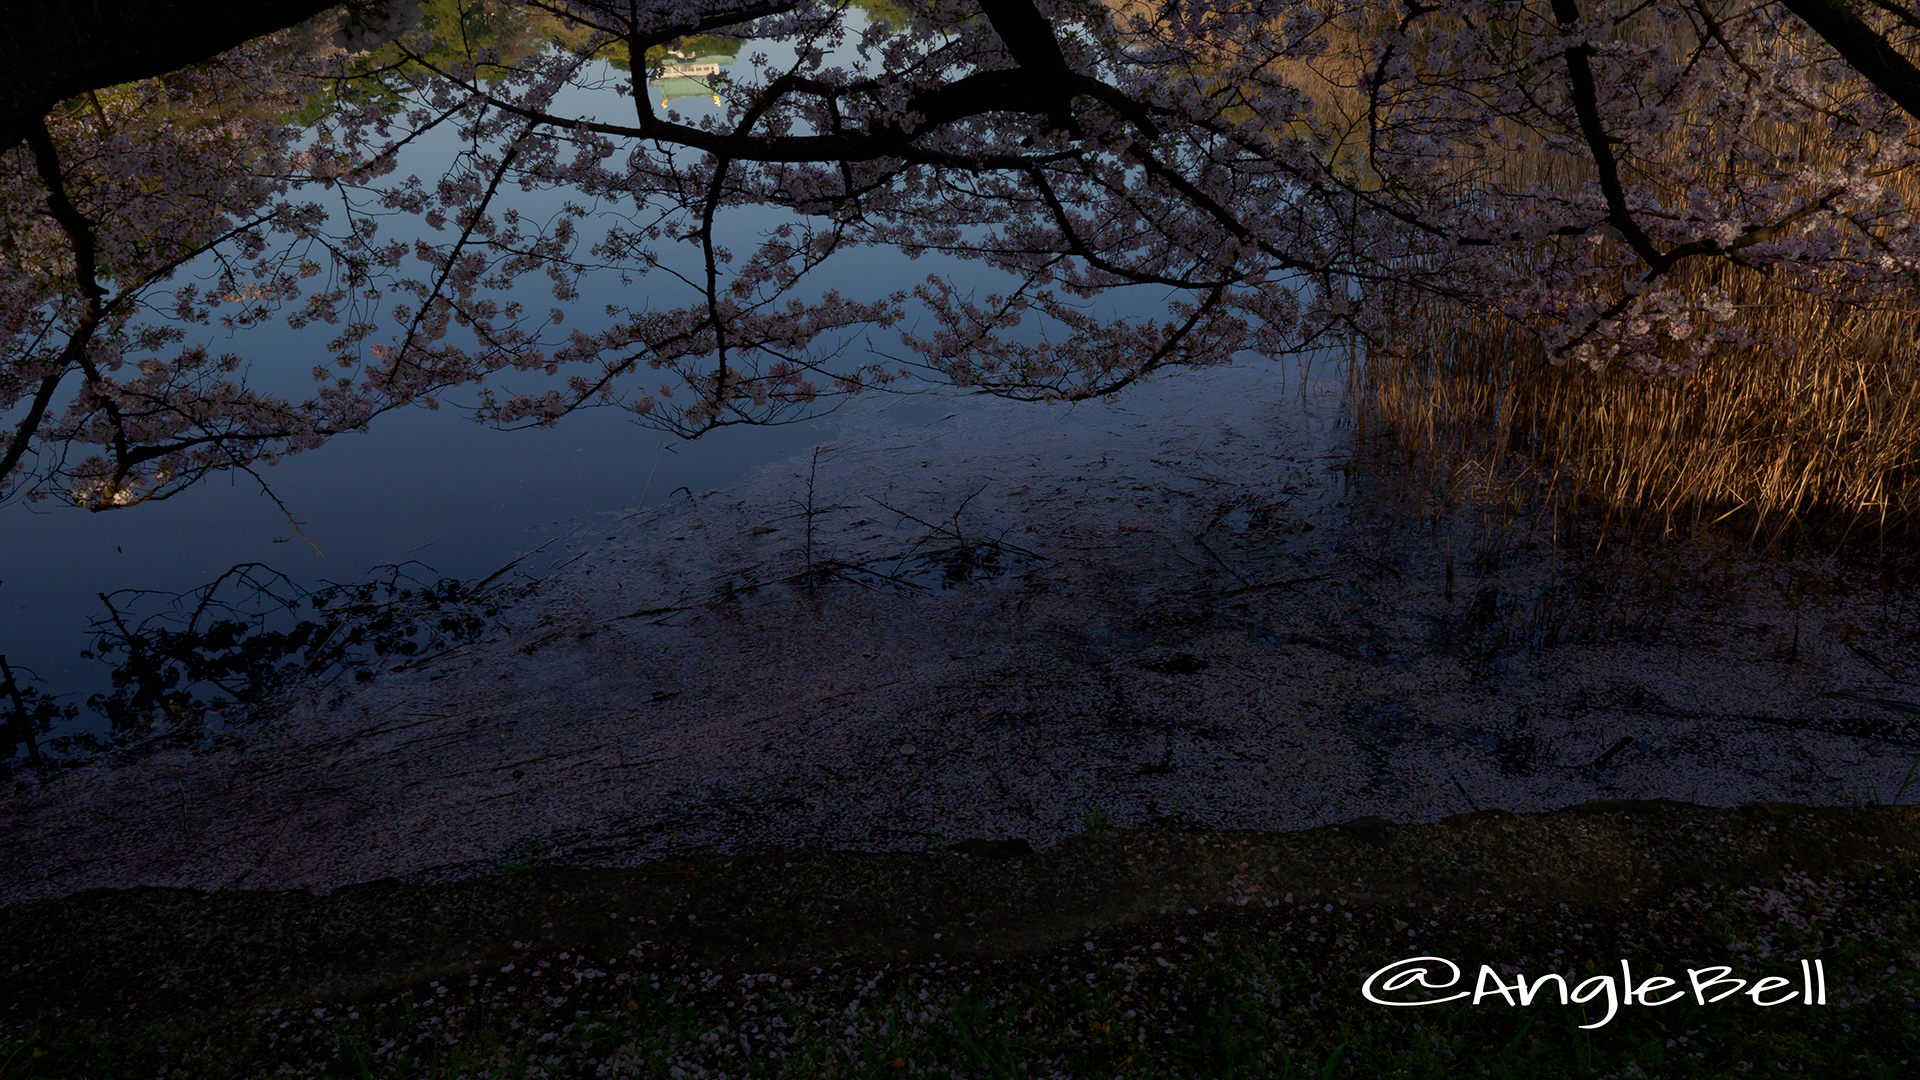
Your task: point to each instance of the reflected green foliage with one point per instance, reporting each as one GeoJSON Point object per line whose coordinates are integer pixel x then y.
{"type": "Point", "coordinates": [457, 33]}
{"type": "Point", "coordinates": [453, 34]}
{"type": "Point", "coordinates": [884, 11]}
{"type": "Point", "coordinates": [620, 58]}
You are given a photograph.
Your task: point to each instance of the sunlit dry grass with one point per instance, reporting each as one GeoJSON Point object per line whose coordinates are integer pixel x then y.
{"type": "Point", "coordinates": [1816, 436]}
{"type": "Point", "coordinates": [1826, 437]}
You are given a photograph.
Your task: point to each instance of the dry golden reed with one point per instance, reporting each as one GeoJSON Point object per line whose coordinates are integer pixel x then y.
{"type": "Point", "coordinates": [1823, 441]}
{"type": "Point", "coordinates": [1829, 435]}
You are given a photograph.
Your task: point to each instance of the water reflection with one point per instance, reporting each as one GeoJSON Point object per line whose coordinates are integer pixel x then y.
{"type": "Point", "coordinates": [418, 485]}
{"type": "Point", "coordinates": [218, 653]}
{"type": "Point", "coordinates": [689, 77]}
{"type": "Point", "coordinates": [457, 499]}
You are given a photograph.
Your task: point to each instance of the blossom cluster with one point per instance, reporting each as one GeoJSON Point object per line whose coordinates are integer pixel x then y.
{"type": "Point", "coordinates": [1276, 175]}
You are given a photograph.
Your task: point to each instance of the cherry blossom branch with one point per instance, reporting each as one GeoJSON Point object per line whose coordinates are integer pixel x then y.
{"type": "Point", "coordinates": [1524, 160]}
{"type": "Point", "coordinates": [1599, 143]}
{"type": "Point", "coordinates": [1868, 52]}
{"type": "Point", "coordinates": [80, 236]}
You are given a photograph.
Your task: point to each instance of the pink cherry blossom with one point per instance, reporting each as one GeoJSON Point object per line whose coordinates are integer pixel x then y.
{"type": "Point", "coordinates": [1537, 161]}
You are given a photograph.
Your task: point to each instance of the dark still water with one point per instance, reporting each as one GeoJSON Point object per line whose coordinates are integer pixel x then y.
{"type": "Point", "coordinates": [429, 492]}
{"type": "Point", "coordinates": [432, 490]}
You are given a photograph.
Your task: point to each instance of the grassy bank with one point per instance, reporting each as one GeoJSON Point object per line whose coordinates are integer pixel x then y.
{"type": "Point", "coordinates": [1264, 987]}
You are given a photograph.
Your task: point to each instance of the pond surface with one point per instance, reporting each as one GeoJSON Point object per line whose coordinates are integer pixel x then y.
{"type": "Point", "coordinates": [1008, 624]}
{"type": "Point", "coordinates": [432, 488]}
{"type": "Point", "coordinates": [428, 489]}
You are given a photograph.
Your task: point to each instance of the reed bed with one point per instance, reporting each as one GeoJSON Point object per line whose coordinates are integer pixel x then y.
{"type": "Point", "coordinates": [1811, 436]}
{"type": "Point", "coordinates": [1821, 442]}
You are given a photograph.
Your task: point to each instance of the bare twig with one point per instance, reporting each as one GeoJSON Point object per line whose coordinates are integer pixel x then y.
{"type": "Point", "coordinates": [1201, 539]}
{"type": "Point", "coordinates": [955, 532]}
{"type": "Point", "coordinates": [813, 469]}
{"type": "Point", "coordinates": [1280, 584]}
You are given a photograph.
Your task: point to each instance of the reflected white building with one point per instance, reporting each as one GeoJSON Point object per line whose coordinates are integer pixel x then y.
{"type": "Point", "coordinates": [689, 77]}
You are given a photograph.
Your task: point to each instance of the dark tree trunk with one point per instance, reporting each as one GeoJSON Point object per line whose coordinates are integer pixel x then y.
{"type": "Point", "coordinates": [51, 51]}
{"type": "Point", "coordinates": [1865, 51]}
